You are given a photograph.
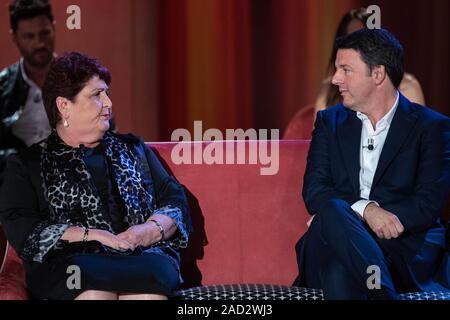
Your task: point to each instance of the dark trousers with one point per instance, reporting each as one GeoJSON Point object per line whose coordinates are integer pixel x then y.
{"type": "Point", "coordinates": [339, 250]}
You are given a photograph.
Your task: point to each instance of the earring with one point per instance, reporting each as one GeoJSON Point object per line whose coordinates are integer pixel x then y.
{"type": "Point", "coordinates": [65, 123]}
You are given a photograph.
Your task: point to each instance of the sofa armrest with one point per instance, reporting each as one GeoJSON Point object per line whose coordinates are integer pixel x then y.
{"type": "Point", "coordinates": [12, 277]}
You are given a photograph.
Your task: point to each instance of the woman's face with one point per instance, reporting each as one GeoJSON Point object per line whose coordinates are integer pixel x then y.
{"type": "Point", "coordinates": [89, 114]}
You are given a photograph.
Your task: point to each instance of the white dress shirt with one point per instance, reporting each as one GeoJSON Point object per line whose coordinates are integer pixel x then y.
{"type": "Point", "coordinates": [32, 125]}
{"type": "Point", "coordinates": [369, 158]}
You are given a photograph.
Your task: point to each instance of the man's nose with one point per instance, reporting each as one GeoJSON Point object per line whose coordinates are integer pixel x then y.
{"type": "Point", "coordinates": [40, 43]}
{"type": "Point", "coordinates": [336, 78]}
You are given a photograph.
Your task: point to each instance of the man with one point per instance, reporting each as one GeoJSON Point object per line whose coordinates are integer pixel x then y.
{"type": "Point", "coordinates": [22, 113]}
{"type": "Point", "coordinates": [377, 178]}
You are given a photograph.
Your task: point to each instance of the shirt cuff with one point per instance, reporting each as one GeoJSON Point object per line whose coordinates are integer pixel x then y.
{"type": "Point", "coordinates": [360, 205]}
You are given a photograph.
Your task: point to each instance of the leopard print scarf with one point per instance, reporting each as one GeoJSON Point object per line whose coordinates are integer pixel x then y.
{"type": "Point", "coordinates": [70, 192]}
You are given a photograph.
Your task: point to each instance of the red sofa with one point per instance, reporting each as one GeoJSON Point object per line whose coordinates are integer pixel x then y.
{"type": "Point", "coordinates": [246, 224]}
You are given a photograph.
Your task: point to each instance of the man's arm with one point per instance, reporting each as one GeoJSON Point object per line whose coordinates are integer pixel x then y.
{"type": "Point", "coordinates": [421, 209]}
{"type": "Point", "coordinates": [318, 184]}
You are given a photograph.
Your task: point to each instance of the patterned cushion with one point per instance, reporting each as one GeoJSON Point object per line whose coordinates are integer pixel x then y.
{"type": "Point", "coordinates": [249, 292]}
{"type": "Point", "coordinates": [436, 295]}
{"type": "Point", "coordinates": [277, 292]}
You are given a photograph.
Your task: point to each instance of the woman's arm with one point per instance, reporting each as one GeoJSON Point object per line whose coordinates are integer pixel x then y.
{"type": "Point", "coordinates": [171, 216]}
{"type": "Point", "coordinates": [158, 228]}
{"type": "Point", "coordinates": [76, 234]}
{"type": "Point", "coordinates": [411, 89]}
{"type": "Point", "coordinates": [171, 201]}
{"type": "Point", "coordinates": [23, 213]}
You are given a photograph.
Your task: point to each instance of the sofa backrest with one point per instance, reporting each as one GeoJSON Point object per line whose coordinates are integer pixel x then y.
{"type": "Point", "coordinates": [245, 224]}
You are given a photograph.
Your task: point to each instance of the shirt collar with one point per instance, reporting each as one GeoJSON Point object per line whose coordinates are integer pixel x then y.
{"type": "Point", "coordinates": [24, 75]}
{"type": "Point", "coordinates": [387, 118]}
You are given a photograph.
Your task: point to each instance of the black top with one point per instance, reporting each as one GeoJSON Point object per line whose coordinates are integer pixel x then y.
{"type": "Point", "coordinates": [113, 206]}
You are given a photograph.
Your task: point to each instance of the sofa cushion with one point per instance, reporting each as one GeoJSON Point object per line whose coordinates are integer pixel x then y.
{"type": "Point", "coordinates": [249, 292]}
{"type": "Point", "coordinates": [431, 295]}
{"type": "Point", "coordinates": [278, 292]}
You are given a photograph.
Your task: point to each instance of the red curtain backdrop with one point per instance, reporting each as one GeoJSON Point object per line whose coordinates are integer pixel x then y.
{"type": "Point", "coordinates": [232, 63]}
{"type": "Point", "coordinates": [122, 34]}
{"type": "Point", "coordinates": [423, 27]}
{"type": "Point", "coordinates": [241, 63]}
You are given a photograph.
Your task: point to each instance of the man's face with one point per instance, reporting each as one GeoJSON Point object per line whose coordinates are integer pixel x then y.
{"type": "Point", "coordinates": [35, 39]}
{"type": "Point", "coordinates": [353, 78]}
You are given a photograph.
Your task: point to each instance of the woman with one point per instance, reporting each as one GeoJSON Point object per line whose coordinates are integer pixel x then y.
{"type": "Point", "coordinates": [329, 94]}
{"type": "Point", "coordinates": [90, 203]}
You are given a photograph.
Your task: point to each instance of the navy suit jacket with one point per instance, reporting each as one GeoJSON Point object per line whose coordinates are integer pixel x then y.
{"type": "Point", "coordinates": [412, 179]}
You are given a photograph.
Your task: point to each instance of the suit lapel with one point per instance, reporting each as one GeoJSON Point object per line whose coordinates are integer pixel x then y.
{"type": "Point", "coordinates": [402, 123]}
{"type": "Point", "coordinates": [349, 138]}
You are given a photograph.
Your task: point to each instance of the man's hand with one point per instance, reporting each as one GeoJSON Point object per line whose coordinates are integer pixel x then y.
{"type": "Point", "coordinates": [385, 224]}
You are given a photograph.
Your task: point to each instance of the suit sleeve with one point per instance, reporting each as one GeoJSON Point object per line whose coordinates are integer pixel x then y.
{"type": "Point", "coordinates": [422, 208]}
{"type": "Point", "coordinates": [318, 184]}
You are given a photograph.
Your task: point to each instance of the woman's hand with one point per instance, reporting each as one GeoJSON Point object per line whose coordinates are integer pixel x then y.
{"type": "Point", "coordinates": [110, 240]}
{"type": "Point", "coordinates": [141, 234]}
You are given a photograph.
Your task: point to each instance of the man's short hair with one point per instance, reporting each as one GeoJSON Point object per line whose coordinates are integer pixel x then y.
{"type": "Point", "coordinates": [376, 47]}
{"type": "Point", "coordinates": [28, 9]}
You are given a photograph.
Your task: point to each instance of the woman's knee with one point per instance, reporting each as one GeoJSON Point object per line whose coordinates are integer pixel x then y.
{"type": "Point", "coordinates": [97, 295]}
{"type": "Point", "coordinates": [142, 296]}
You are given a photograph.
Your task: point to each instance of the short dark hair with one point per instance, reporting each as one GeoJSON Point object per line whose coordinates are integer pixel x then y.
{"type": "Point", "coordinates": [28, 9]}
{"type": "Point", "coordinates": [377, 47]}
{"type": "Point", "coordinates": [360, 15]}
{"type": "Point", "coordinates": [67, 76]}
